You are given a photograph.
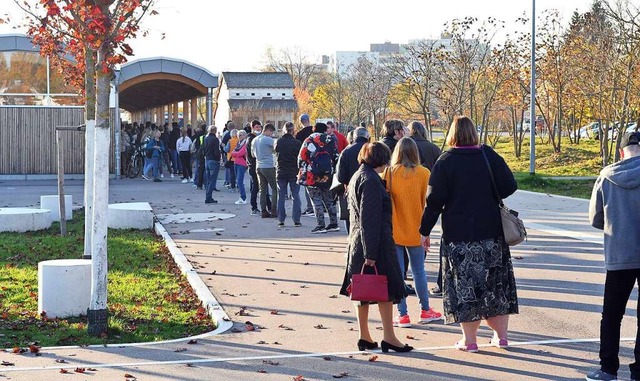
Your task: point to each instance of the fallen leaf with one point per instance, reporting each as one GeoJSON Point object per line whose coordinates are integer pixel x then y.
{"type": "Point", "coordinates": [92, 370]}
{"type": "Point", "coordinates": [180, 350]}
{"type": "Point", "coordinates": [294, 294]}
{"type": "Point", "coordinates": [7, 363]}
{"type": "Point", "coordinates": [285, 327]}
{"type": "Point", "coordinates": [518, 257]}
{"type": "Point", "coordinates": [346, 311]}
{"type": "Point", "coordinates": [261, 342]}
{"type": "Point", "coordinates": [298, 378]}
{"type": "Point", "coordinates": [192, 341]}
{"type": "Point", "coordinates": [319, 326]}
{"type": "Point", "coordinates": [189, 365]}
{"type": "Point", "coordinates": [80, 370]}
{"type": "Point", "coordinates": [269, 362]}
{"type": "Point", "coordinates": [127, 375]}
{"type": "Point", "coordinates": [409, 337]}
{"type": "Point", "coordinates": [271, 270]}
{"type": "Point", "coordinates": [64, 371]}
{"type": "Point", "coordinates": [262, 371]}
{"type": "Point", "coordinates": [341, 375]}
{"type": "Point", "coordinates": [326, 358]}
{"type": "Point", "coordinates": [373, 358]}
{"type": "Point", "coordinates": [249, 326]}
{"type": "Point", "coordinates": [61, 361]}
{"type": "Point", "coordinates": [274, 312]}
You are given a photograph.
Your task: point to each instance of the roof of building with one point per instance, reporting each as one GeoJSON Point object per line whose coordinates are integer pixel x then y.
{"type": "Point", "coordinates": [243, 80]}
{"type": "Point", "coordinates": [264, 104]}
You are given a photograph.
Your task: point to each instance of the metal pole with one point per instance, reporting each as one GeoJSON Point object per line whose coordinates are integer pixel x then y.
{"type": "Point", "coordinates": [532, 104]}
{"type": "Point", "coordinates": [61, 200]}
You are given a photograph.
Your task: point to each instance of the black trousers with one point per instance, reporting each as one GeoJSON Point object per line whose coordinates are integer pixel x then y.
{"type": "Point", "coordinates": [200, 173]}
{"type": "Point", "coordinates": [617, 288]}
{"type": "Point", "coordinates": [254, 188]}
{"type": "Point", "coordinates": [185, 160]}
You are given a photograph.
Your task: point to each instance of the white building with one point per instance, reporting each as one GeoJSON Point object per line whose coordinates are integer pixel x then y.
{"type": "Point", "coordinates": [244, 96]}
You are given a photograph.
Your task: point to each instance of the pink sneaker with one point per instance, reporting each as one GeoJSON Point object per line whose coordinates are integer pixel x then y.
{"type": "Point", "coordinates": [427, 316]}
{"type": "Point", "coordinates": [461, 346]}
{"type": "Point", "coordinates": [402, 321]}
{"type": "Point", "coordinates": [499, 343]}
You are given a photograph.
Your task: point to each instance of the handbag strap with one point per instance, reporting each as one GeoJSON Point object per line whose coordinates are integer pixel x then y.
{"type": "Point", "coordinates": [374, 268]}
{"type": "Point", "coordinates": [493, 181]}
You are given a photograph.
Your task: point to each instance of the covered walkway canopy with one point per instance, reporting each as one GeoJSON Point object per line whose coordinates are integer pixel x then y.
{"type": "Point", "coordinates": [152, 88]}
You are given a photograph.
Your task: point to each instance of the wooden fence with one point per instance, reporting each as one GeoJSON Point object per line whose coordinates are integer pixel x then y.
{"type": "Point", "coordinates": [28, 140]}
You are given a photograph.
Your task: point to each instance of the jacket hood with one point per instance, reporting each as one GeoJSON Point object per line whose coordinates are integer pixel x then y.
{"type": "Point", "coordinates": [625, 173]}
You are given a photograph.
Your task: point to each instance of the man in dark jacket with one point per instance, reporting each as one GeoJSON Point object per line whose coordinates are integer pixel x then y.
{"type": "Point", "coordinates": [348, 165]}
{"type": "Point", "coordinates": [428, 151]}
{"type": "Point", "coordinates": [212, 163]}
{"type": "Point", "coordinates": [615, 208]}
{"type": "Point", "coordinates": [393, 131]}
{"type": "Point", "coordinates": [174, 135]}
{"type": "Point", "coordinates": [287, 149]}
{"type": "Point", "coordinates": [198, 141]}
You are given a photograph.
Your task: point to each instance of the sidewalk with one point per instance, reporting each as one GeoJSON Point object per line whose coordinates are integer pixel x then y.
{"type": "Point", "coordinates": [286, 281]}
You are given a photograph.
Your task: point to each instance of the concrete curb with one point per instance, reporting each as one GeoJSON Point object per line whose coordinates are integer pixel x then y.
{"type": "Point", "coordinates": [222, 320]}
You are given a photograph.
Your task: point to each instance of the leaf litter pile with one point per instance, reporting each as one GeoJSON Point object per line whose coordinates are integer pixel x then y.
{"type": "Point", "coordinates": [148, 298]}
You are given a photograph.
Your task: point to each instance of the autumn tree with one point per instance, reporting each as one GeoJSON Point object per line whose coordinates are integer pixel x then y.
{"type": "Point", "coordinates": [94, 32]}
{"type": "Point", "coordinates": [372, 84]}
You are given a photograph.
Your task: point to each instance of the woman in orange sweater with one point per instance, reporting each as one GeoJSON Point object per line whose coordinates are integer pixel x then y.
{"type": "Point", "coordinates": [407, 184]}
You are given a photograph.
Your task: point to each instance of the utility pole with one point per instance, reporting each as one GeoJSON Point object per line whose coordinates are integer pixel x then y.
{"type": "Point", "coordinates": [532, 103]}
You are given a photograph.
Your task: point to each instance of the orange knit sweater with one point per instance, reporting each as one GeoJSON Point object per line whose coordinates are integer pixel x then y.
{"type": "Point", "coordinates": [408, 188]}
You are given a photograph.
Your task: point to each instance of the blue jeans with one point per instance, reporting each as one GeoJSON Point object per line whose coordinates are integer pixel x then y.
{"type": "Point", "coordinates": [173, 154]}
{"type": "Point", "coordinates": [295, 193]}
{"type": "Point", "coordinates": [212, 167]}
{"type": "Point", "coordinates": [416, 261]}
{"type": "Point", "coordinates": [147, 166]}
{"type": "Point", "coordinates": [240, 171]}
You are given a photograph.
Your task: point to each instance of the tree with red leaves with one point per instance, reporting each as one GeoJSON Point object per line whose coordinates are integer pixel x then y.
{"type": "Point", "coordinates": [94, 33]}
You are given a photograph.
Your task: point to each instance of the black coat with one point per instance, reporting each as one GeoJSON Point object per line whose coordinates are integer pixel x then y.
{"type": "Point", "coordinates": [389, 142]}
{"type": "Point", "coordinates": [371, 235]}
{"type": "Point", "coordinates": [287, 149]}
{"type": "Point", "coordinates": [303, 134]}
{"type": "Point", "coordinates": [429, 152]}
{"type": "Point", "coordinates": [211, 148]}
{"type": "Point", "coordinates": [460, 188]}
{"type": "Point", "coordinates": [251, 160]}
{"type": "Point", "coordinates": [348, 163]}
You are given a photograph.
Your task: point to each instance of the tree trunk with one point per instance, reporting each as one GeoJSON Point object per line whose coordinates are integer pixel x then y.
{"type": "Point", "coordinates": [90, 126]}
{"type": "Point", "coordinates": [97, 313]}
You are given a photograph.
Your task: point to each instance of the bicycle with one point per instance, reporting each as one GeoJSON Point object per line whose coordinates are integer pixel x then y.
{"type": "Point", "coordinates": [136, 162]}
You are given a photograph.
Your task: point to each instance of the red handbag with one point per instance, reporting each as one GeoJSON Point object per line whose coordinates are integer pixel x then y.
{"type": "Point", "coordinates": [369, 287]}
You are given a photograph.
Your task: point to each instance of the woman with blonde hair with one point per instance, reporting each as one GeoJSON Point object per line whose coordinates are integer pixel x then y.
{"type": "Point", "coordinates": [406, 181]}
{"type": "Point", "coordinates": [478, 280]}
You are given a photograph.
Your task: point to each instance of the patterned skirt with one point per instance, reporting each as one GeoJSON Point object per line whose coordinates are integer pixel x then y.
{"type": "Point", "coordinates": [478, 280]}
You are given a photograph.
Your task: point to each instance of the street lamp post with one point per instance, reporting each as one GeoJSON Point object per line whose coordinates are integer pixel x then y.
{"type": "Point", "coordinates": [532, 103]}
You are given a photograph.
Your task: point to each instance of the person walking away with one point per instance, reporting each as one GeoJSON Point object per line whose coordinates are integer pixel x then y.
{"type": "Point", "coordinates": [301, 136]}
{"type": "Point", "coordinates": [239, 155]}
{"type": "Point", "coordinates": [348, 165]}
{"type": "Point", "coordinates": [371, 244]}
{"type": "Point", "coordinates": [478, 281]}
{"type": "Point", "coordinates": [164, 136]}
{"type": "Point", "coordinates": [198, 152]}
{"type": "Point", "coordinates": [174, 135]}
{"type": "Point", "coordinates": [230, 165]}
{"type": "Point", "coordinates": [256, 130]}
{"type": "Point", "coordinates": [212, 164]}
{"type": "Point", "coordinates": [262, 148]}
{"type": "Point", "coordinates": [287, 148]}
{"type": "Point", "coordinates": [317, 159]}
{"type": "Point", "coordinates": [615, 208]}
{"type": "Point", "coordinates": [183, 146]}
{"type": "Point", "coordinates": [406, 181]}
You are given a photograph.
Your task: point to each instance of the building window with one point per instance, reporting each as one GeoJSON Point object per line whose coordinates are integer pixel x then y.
{"type": "Point", "coordinates": [268, 94]}
{"type": "Point", "coordinates": [283, 94]}
{"type": "Point", "coordinates": [237, 94]}
{"type": "Point", "coordinates": [253, 94]}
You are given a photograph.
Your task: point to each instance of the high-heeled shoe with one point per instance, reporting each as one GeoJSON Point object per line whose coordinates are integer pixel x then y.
{"type": "Point", "coordinates": [364, 344]}
{"type": "Point", "coordinates": [386, 346]}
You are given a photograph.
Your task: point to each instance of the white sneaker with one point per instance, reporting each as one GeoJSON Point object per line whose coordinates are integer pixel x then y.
{"type": "Point", "coordinates": [184, 181]}
{"type": "Point", "coordinates": [191, 179]}
{"type": "Point", "coordinates": [172, 175]}
{"type": "Point", "coordinates": [162, 175]}
{"type": "Point", "coordinates": [241, 202]}
{"type": "Point", "coordinates": [145, 177]}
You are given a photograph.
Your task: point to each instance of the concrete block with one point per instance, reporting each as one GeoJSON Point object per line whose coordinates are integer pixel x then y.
{"type": "Point", "coordinates": [24, 219]}
{"type": "Point", "coordinates": [130, 215]}
{"type": "Point", "coordinates": [64, 287]}
{"type": "Point", "coordinates": [52, 203]}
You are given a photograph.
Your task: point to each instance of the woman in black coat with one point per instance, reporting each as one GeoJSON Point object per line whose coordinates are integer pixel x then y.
{"type": "Point", "coordinates": [371, 243]}
{"type": "Point", "coordinates": [476, 263]}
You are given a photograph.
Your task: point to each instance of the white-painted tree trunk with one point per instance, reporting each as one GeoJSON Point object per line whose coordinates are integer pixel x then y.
{"type": "Point", "coordinates": [97, 313]}
{"type": "Point", "coordinates": [88, 183]}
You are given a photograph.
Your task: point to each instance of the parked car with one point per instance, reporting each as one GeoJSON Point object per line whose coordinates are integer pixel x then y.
{"type": "Point", "coordinates": [590, 131]}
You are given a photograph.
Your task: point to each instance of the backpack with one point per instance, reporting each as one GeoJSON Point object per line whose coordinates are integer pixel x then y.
{"type": "Point", "coordinates": [321, 164]}
{"type": "Point", "coordinates": [200, 149]}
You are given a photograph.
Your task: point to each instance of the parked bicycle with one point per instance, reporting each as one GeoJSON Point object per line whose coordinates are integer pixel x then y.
{"type": "Point", "coordinates": [136, 162]}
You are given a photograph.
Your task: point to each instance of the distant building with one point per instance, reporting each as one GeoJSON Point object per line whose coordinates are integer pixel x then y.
{"type": "Point", "coordinates": [244, 96]}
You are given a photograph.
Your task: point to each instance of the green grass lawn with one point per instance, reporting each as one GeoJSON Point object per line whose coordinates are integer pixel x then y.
{"type": "Point", "coordinates": [575, 160]}
{"type": "Point", "coordinates": [148, 298]}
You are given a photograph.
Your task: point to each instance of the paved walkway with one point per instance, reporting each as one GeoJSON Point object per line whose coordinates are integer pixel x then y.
{"type": "Point", "coordinates": [285, 282]}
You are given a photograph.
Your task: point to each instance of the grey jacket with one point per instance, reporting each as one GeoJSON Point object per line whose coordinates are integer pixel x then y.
{"type": "Point", "coordinates": [615, 208]}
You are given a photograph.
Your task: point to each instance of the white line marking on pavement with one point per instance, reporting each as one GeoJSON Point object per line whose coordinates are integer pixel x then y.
{"type": "Point", "coordinates": [288, 356]}
{"type": "Point", "coordinates": [565, 233]}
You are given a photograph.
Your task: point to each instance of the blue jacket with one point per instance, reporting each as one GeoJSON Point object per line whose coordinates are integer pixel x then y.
{"type": "Point", "coordinates": [152, 143]}
{"type": "Point", "coordinates": [615, 208]}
